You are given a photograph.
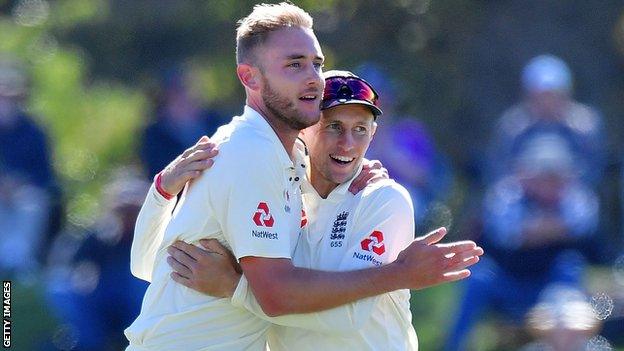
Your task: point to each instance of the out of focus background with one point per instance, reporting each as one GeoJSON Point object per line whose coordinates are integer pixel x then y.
{"type": "Point", "coordinates": [502, 118]}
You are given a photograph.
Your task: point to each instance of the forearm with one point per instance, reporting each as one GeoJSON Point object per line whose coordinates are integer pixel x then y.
{"type": "Point", "coordinates": [316, 290]}
{"type": "Point", "coordinates": [148, 233]}
{"type": "Point", "coordinates": [541, 232]}
{"type": "Point", "coordinates": [299, 290]}
{"type": "Point", "coordinates": [345, 318]}
{"type": "Point", "coordinates": [282, 288]}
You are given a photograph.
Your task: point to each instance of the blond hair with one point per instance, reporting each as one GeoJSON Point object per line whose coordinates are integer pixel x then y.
{"type": "Point", "coordinates": [254, 29]}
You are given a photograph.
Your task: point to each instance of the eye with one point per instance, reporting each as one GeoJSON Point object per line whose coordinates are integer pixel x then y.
{"type": "Point", "coordinates": [334, 127]}
{"type": "Point", "coordinates": [319, 65]}
{"type": "Point", "coordinates": [295, 64]}
{"type": "Point", "coordinates": [361, 130]}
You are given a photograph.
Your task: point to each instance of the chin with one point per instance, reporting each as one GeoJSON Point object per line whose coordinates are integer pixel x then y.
{"type": "Point", "coordinates": [342, 177]}
{"type": "Point", "coordinates": [312, 116]}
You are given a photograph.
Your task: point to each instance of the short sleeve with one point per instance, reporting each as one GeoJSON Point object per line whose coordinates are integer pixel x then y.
{"type": "Point", "coordinates": [383, 227]}
{"type": "Point", "coordinates": [250, 202]}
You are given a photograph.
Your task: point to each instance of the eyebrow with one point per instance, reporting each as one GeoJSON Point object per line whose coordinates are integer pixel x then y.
{"type": "Point", "coordinates": [300, 56]}
{"type": "Point", "coordinates": [360, 122]}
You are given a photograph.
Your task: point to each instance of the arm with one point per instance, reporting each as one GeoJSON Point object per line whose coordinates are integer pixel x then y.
{"type": "Point", "coordinates": [282, 288]}
{"type": "Point", "coordinates": [158, 206]}
{"type": "Point", "coordinates": [213, 271]}
{"type": "Point", "coordinates": [577, 218]}
{"type": "Point", "coordinates": [543, 230]}
{"type": "Point", "coordinates": [423, 263]}
{"type": "Point", "coordinates": [148, 233]}
{"type": "Point", "coordinates": [210, 270]}
{"type": "Point", "coordinates": [342, 319]}
{"type": "Point", "coordinates": [386, 215]}
{"type": "Point", "coordinates": [279, 286]}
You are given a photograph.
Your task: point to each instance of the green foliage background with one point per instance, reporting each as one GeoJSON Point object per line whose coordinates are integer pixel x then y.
{"type": "Point", "coordinates": [93, 64]}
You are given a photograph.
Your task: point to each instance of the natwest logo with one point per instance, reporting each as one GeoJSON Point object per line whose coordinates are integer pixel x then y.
{"type": "Point", "coordinates": [263, 217]}
{"type": "Point", "coordinates": [374, 243]}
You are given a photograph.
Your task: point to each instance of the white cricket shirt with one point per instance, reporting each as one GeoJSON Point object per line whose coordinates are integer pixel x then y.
{"type": "Point", "coordinates": [250, 201]}
{"type": "Point", "coordinates": [381, 322]}
{"type": "Point", "coordinates": [348, 232]}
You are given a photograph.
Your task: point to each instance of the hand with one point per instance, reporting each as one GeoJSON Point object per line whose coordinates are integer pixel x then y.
{"type": "Point", "coordinates": [372, 171]}
{"type": "Point", "coordinates": [189, 165]}
{"type": "Point", "coordinates": [426, 263]}
{"type": "Point", "coordinates": [544, 230]}
{"type": "Point", "coordinates": [212, 270]}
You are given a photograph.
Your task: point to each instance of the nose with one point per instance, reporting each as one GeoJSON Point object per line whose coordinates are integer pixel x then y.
{"type": "Point", "coordinates": [346, 142]}
{"type": "Point", "coordinates": [315, 77]}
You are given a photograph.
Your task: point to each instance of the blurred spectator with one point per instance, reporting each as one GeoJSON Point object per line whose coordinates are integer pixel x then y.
{"type": "Point", "coordinates": [27, 184]}
{"type": "Point", "coordinates": [562, 320]}
{"type": "Point", "coordinates": [548, 107]}
{"type": "Point", "coordinates": [535, 221]}
{"type": "Point", "coordinates": [179, 122]}
{"type": "Point", "coordinates": [90, 288]}
{"type": "Point", "coordinates": [406, 149]}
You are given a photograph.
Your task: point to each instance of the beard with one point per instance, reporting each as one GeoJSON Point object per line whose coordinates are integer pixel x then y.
{"type": "Point", "coordinates": [284, 109]}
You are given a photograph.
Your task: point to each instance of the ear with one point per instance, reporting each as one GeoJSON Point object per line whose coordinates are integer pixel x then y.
{"type": "Point", "coordinates": [249, 76]}
{"type": "Point", "coordinates": [373, 130]}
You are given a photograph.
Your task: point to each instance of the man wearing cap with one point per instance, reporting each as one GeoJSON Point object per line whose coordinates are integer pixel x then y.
{"type": "Point", "coordinates": [536, 222]}
{"type": "Point", "coordinates": [27, 182]}
{"type": "Point", "coordinates": [548, 107]}
{"type": "Point", "coordinates": [250, 201]}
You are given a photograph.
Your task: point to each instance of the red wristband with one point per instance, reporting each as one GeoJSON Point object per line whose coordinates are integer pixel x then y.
{"type": "Point", "coordinates": [161, 191]}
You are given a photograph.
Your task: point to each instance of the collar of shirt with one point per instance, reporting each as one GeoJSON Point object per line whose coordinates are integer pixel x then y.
{"type": "Point", "coordinates": [254, 118]}
{"type": "Point", "coordinates": [335, 195]}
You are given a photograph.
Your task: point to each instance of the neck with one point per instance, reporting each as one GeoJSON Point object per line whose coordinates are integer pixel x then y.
{"type": "Point", "coordinates": [322, 186]}
{"type": "Point", "coordinates": [285, 134]}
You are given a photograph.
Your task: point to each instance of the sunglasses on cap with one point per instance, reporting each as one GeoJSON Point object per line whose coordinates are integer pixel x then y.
{"type": "Point", "coordinates": [350, 90]}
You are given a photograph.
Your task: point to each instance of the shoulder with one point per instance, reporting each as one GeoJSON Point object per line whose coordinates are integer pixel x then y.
{"type": "Point", "coordinates": [514, 121]}
{"type": "Point", "coordinates": [242, 146]}
{"type": "Point", "coordinates": [503, 194]}
{"type": "Point", "coordinates": [385, 188]}
{"type": "Point", "coordinates": [386, 194]}
{"type": "Point", "coordinates": [584, 119]}
{"type": "Point", "coordinates": [385, 207]}
{"type": "Point", "coordinates": [578, 193]}
{"type": "Point", "coordinates": [246, 159]}
{"type": "Point", "coordinates": [240, 138]}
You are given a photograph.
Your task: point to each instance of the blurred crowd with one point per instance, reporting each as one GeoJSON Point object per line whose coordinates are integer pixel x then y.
{"type": "Point", "coordinates": [538, 216]}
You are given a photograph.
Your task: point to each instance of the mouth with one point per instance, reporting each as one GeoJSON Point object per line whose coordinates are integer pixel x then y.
{"type": "Point", "coordinates": [342, 160]}
{"type": "Point", "coordinates": [310, 97]}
